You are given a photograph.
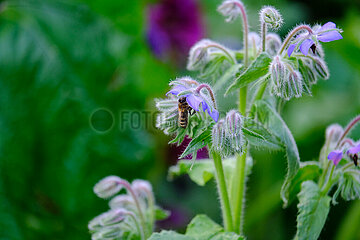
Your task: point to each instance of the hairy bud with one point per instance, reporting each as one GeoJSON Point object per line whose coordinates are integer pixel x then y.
{"type": "Point", "coordinates": [218, 136]}
{"type": "Point", "coordinates": [233, 130]}
{"type": "Point", "coordinates": [114, 216]}
{"type": "Point", "coordinates": [333, 133]}
{"type": "Point", "coordinates": [287, 82]}
{"type": "Point", "coordinates": [198, 55]}
{"type": "Point", "coordinates": [273, 43]}
{"type": "Point", "coordinates": [254, 41]}
{"type": "Point", "coordinates": [230, 9]}
{"type": "Point", "coordinates": [122, 201]}
{"type": "Point", "coordinates": [95, 223]}
{"type": "Point", "coordinates": [111, 232]}
{"type": "Point", "coordinates": [321, 68]}
{"type": "Point", "coordinates": [108, 187]}
{"type": "Point", "coordinates": [271, 17]}
{"type": "Point", "coordinates": [141, 187]}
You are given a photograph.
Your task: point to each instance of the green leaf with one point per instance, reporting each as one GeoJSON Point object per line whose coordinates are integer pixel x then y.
{"type": "Point", "coordinates": [276, 125]}
{"type": "Point", "coordinates": [202, 227]}
{"type": "Point", "coordinates": [229, 74]}
{"type": "Point", "coordinates": [259, 136]}
{"type": "Point", "coordinates": [167, 235]}
{"type": "Point", "coordinates": [313, 210]}
{"type": "Point", "coordinates": [257, 69]}
{"type": "Point", "coordinates": [197, 143]}
{"type": "Point", "coordinates": [308, 171]}
{"type": "Point", "coordinates": [202, 171]}
{"type": "Point", "coordinates": [160, 213]}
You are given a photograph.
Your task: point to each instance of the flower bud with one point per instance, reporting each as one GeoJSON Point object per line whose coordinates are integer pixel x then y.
{"type": "Point", "coordinates": [333, 133]}
{"type": "Point", "coordinates": [108, 187]}
{"type": "Point", "coordinates": [198, 55]}
{"type": "Point", "coordinates": [122, 201]}
{"type": "Point", "coordinates": [278, 72]}
{"type": "Point", "coordinates": [218, 136]}
{"type": "Point", "coordinates": [321, 68]}
{"type": "Point", "coordinates": [95, 223]}
{"type": "Point", "coordinates": [287, 82]}
{"type": "Point", "coordinates": [113, 216]}
{"type": "Point", "coordinates": [233, 124]}
{"type": "Point", "coordinates": [273, 43]}
{"type": "Point", "coordinates": [271, 17]}
{"type": "Point", "coordinates": [141, 187]}
{"type": "Point", "coordinates": [254, 40]}
{"type": "Point", "coordinates": [230, 9]}
{"type": "Point", "coordinates": [111, 232]}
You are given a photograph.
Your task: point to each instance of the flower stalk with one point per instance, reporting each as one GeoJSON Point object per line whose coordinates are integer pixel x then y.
{"type": "Point", "coordinates": [223, 193]}
{"type": "Point", "coordinates": [292, 33]}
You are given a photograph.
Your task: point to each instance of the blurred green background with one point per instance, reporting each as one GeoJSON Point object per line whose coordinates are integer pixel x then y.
{"type": "Point", "coordinates": [60, 61]}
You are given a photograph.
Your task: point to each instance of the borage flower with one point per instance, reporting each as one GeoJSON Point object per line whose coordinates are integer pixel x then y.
{"type": "Point", "coordinates": [353, 153]}
{"type": "Point", "coordinates": [335, 156]}
{"type": "Point", "coordinates": [191, 90]}
{"type": "Point", "coordinates": [327, 33]}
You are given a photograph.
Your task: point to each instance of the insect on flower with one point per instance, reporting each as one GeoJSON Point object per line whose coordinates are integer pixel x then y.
{"type": "Point", "coordinates": [353, 154]}
{"type": "Point", "coordinates": [184, 111]}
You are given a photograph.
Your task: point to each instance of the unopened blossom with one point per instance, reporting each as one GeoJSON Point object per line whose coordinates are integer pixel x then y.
{"type": "Point", "coordinates": [108, 187]}
{"type": "Point", "coordinates": [327, 33]}
{"type": "Point", "coordinates": [335, 156]}
{"type": "Point", "coordinates": [230, 9]}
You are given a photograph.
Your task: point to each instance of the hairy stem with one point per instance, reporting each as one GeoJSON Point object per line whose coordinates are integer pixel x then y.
{"type": "Point", "coordinates": [223, 193]}
{"type": "Point", "coordinates": [141, 231]}
{"type": "Point", "coordinates": [348, 128]}
{"type": "Point", "coordinates": [292, 33]}
{"type": "Point", "coordinates": [263, 36]}
{"type": "Point", "coordinates": [230, 57]}
{"type": "Point", "coordinates": [128, 187]}
{"type": "Point", "coordinates": [204, 85]}
{"type": "Point", "coordinates": [239, 192]}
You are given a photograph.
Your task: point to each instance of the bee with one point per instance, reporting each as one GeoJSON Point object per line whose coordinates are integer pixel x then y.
{"type": "Point", "coordinates": [184, 110]}
{"type": "Point", "coordinates": [355, 158]}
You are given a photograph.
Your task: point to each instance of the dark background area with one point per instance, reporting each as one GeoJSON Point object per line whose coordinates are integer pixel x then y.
{"type": "Point", "coordinates": [61, 61]}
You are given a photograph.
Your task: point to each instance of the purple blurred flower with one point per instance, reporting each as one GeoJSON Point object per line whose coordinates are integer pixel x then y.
{"type": "Point", "coordinates": [327, 33]}
{"type": "Point", "coordinates": [194, 98]}
{"type": "Point", "coordinates": [335, 156]}
{"type": "Point", "coordinates": [174, 26]}
{"type": "Point", "coordinates": [354, 150]}
{"type": "Point", "coordinates": [353, 153]}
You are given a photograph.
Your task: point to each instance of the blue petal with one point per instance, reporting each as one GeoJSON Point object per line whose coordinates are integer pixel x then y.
{"type": "Point", "coordinates": [291, 49]}
{"type": "Point", "coordinates": [305, 46]}
{"type": "Point", "coordinates": [214, 114]}
{"type": "Point", "coordinates": [329, 36]}
{"type": "Point", "coordinates": [176, 90]}
{"type": "Point", "coordinates": [204, 106]}
{"type": "Point", "coordinates": [194, 101]}
{"type": "Point", "coordinates": [335, 156]}
{"type": "Point", "coordinates": [327, 26]}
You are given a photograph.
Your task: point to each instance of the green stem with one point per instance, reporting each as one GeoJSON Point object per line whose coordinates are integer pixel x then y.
{"type": "Point", "coordinates": [263, 36]}
{"type": "Point", "coordinates": [238, 192]}
{"type": "Point", "coordinates": [329, 183]}
{"type": "Point", "coordinates": [224, 197]}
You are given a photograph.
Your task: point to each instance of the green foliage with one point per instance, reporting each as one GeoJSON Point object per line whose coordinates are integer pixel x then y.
{"type": "Point", "coordinates": [313, 210]}
{"type": "Point", "coordinates": [200, 228]}
{"type": "Point", "coordinates": [197, 143]}
{"type": "Point", "coordinates": [161, 214]}
{"type": "Point", "coordinates": [276, 125]}
{"type": "Point", "coordinates": [257, 69]}
{"type": "Point", "coordinates": [308, 171]}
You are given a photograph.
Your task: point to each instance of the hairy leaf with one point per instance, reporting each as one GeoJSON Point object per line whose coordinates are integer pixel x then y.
{"type": "Point", "coordinates": [259, 136]}
{"type": "Point", "coordinates": [197, 143]}
{"type": "Point", "coordinates": [257, 69]}
{"type": "Point", "coordinates": [276, 125]}
{"type": "Point", "coordinates": [313, 210]}
{"type": "Point", "coordinates": [308, 171]}
{"type": "Point", "coordinates": [161, 214]}
{"type": "Point", "coordinates": [167, 235]}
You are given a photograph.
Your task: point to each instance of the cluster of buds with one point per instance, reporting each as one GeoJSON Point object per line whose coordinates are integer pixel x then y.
{"type": "Point", "coordinates": [227, 136]}
{"type": "Point", "coordinates": [130, 213]}
{"type": "Point", "coordinates": [286, 81]}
